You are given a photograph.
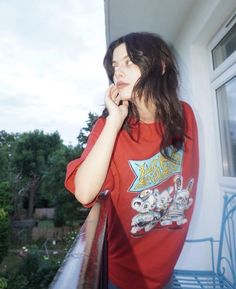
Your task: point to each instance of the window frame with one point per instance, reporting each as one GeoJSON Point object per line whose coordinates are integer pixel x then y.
{"type": "Point", "coordinates": [219, 76]}
{"type": "Point", "coordinates": [213, 43]}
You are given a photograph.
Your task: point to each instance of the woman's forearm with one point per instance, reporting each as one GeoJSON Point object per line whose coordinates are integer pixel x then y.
{"type": "Point", "coordinates": [92, 172]}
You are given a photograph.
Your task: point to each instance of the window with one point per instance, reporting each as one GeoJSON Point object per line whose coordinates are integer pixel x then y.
{"type": "Point", "coordinates": [223, 58]}
{"type": "Point", "coordinates": [226, 106]}
{"type": "Point", "coordinates": [224, 48]}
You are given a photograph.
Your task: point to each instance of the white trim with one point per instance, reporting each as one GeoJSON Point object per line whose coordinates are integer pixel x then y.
{"type": "Point", "coordinates": [226, 182]}
{"type": "Point", "coordinates": [224, 77]}
{"type": "Point", "coordinates": [222, 74]}
{"type": "Point", "coordinates": [213, 43]}
{"type": "Point", "coordinates": [231, 60]}
{"type": "Point", "coordinates": [223, 31]}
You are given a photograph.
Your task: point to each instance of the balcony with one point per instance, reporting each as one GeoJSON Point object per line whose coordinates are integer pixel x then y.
{"type": "Point", "coordinates": [84, 266]}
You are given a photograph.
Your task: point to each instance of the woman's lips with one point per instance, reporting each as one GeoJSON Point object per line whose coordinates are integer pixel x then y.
{"type": "Point", "coordinates": [121, 84]}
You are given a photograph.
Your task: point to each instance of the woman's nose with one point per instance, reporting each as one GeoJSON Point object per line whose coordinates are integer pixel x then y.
{"type": "Point", "coordinates": [119, 72]}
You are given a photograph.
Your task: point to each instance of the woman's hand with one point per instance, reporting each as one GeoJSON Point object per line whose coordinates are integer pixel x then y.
{"type": "Point", "coordinates": [85, 190]}
{"type": "Point", "coordinates": [118, 110]}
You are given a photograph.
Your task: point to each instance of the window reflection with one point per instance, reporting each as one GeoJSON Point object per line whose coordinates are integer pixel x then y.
{"type": "Point", "coordinates": [224, 48]}
{"type": "Point", "coordinates": [226, 103]}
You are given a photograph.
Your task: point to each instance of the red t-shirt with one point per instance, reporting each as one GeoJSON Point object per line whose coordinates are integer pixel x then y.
{"type": "Point", "coordinates": [149, 204]}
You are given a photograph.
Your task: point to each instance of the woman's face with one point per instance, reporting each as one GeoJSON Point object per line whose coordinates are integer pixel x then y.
{"type": "Point", "coordinates": [126, 73]}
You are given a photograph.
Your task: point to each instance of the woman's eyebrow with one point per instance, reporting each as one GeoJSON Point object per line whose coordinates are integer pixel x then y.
{"type": "Point", "coordinates": [117, 61]}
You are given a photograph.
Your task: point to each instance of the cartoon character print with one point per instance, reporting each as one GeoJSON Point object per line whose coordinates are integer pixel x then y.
{"type": "Point", "coordinates": [150, 205]}
{"type": "Point", "coordinates": [180, 204]}
{"type": "Point", "coordinates": [163, 208]}
{"type": "Point", "coordinates": [163, 199]}
{"type": "Point", "coordinates": [146, 219]}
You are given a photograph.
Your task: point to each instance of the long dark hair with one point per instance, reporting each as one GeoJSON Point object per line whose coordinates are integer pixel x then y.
{"type": "Point", "coordinates": [158, 83]}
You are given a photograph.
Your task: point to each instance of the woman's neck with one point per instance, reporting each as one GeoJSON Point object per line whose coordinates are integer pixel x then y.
{"type": "Point", "coordinates": [147, 112]}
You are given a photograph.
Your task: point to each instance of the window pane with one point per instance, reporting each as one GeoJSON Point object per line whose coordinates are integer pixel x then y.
{"type": "Point", "coordinates": [226, 102]}
{"type": "Point", "coordinates": [224, 48]}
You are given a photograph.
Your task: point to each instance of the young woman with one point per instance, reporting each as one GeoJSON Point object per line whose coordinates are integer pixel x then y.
{"type": "Point", "coordinates": [143, 153]}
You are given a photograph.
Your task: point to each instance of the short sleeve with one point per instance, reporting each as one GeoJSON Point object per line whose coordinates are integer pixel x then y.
{"type": "Point", "coordinates": [191, 130]}
{"type": "Point", "coordinates": [74, 164]}
{"type": "Point", "coordinates": [191, 155]}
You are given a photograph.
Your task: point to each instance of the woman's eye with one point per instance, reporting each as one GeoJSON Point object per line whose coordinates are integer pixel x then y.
{"type": "Point", "coordinates": [128, 62]}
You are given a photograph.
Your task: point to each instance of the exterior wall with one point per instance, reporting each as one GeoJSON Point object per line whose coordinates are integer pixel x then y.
{"type": "Point", "coordinates": [193, 29]}
{"type": "Point", "coordinates": [191, 45]}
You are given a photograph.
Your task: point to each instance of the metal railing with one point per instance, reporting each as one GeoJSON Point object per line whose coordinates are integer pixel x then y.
{"type": "Point", "coordinates": [223, 275]}
{"type": "Point", "coordinates": [85, 264]}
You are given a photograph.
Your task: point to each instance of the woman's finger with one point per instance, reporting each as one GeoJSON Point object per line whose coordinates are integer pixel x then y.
{"type": "Point", "coordinates": [113, 92]}
{"type": "Point", "coordinates": [117, 99]}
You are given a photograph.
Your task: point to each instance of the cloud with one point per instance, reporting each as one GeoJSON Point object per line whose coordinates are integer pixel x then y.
{"type": "Point", "coordinates": [51, 72]}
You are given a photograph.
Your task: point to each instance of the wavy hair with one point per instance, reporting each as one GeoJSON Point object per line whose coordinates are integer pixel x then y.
{"type": "Point", "coordinates": [158, 83]}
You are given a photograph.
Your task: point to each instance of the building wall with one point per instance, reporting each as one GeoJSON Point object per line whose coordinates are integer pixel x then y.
{"type": "Point", "coordinates": [189, 26]}
{"type": "Point", "coordinates": [191, 44]}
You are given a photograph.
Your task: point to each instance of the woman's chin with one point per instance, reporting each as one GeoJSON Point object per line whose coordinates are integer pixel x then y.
{"type": "Point", "coordinates": [124, 96]}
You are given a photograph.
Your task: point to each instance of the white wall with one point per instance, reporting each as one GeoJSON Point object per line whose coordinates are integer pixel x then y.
{"type": "Point", "coordinates": [200, 20]}
{"type": "Point", "coordinates": [205, 19]}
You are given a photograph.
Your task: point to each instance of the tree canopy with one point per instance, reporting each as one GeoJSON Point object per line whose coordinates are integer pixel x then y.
{"type": "Point", "coordinates": [84, 132]}
{"type": "Point", "coordinates": [34, 165]}
{"type": "Point", "coordinates": [32, 173]}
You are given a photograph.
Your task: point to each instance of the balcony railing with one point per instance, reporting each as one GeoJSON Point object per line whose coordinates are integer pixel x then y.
{"type": "Point", "coordinates": [85, 264]}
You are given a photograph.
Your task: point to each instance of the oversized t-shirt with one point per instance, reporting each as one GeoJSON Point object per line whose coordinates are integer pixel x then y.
{"type": "Point", "coordinates": [149, 202]}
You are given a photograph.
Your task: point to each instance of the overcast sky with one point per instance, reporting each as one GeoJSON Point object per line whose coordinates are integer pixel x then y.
{"type": "Point", "coordinates": [51, 72]}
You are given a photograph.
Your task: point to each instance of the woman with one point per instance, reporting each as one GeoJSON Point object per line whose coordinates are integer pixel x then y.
{"type": "Point", "coordinates": [143, 154]}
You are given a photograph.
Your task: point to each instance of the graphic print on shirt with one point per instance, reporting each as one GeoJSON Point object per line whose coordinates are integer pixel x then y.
{"type": "Point", "coordinates": [153, 171]}
{"type": "Point", "coordinates": [157, 209]}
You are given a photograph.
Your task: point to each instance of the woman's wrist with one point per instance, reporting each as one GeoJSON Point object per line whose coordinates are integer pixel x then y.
{"type": "Point", "coordinates": [113, 124]}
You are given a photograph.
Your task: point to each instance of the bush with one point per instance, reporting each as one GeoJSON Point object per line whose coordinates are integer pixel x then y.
{"type": "Point", "coordinates": [3, 283]}
{"type": "Point", "coordinates": [35, 272]}
{"type": "Point", "coordinates": [4, 233]}
{"type": "Point", "coordinates": [17, 281]}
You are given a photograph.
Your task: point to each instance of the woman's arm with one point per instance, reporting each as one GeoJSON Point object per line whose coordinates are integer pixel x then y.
{"type": "Point", "coordinates": [92, 172]}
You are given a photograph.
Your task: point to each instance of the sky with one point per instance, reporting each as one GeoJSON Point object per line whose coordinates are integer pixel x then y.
{"type": "Point", "coordinates": [51, 72]}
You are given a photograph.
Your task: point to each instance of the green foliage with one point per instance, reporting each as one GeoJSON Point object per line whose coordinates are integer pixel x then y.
{"type": "Point", "coordinates": [5, 209]}
{"type": "Point", "coordinates": [52, 188]}
{"type": "Point", "coordinates": [54, 174]}
{"type": "Point", "coordinates": [17, 281]}
{"type": "Point", "coordinates": [45, 274]}
{"type": "Point", "coordinates": [5, 197]}
{"type": "Point", "coordinates": [70, 238]}
{"type": "Point", "coordinates": [67, 210]}
{"type": "Point", "coordinates": [32, 153]}
{"type": "Point", "coordinates": [34, 271]}
{"type": "Point", "coordinates": [7, 142]}
{"type": "Point", "coordinates": [34, 164]}
{"type": "Point", "coordinates": [4, 233]}
{"type": "Point", "coordinates": [3, 283]}
{"type": "Point", "coordinates": [32, 173]}
{"type": "Point", "coordinates": [84, 132]}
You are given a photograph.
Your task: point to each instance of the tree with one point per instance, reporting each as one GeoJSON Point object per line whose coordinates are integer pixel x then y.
{"type": "Point", "coordinates": [54, 174]}
{"type": "Point", "coordinates": [7, 142]}
{"type": "Point", "coordinates": [5, 210]}
{"type": "Point", "coordinates": [33, 272]}
{"type": "Point", "coordinates": [84, 132]}
{"type": "Point", "coordinates": [67, 208]}
{"type": "Point", "coordinates": [31, 157]}
{"type": "Point", "coordinates": [4, 232]}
